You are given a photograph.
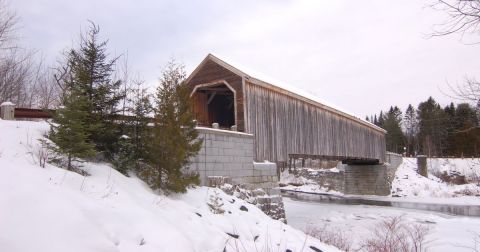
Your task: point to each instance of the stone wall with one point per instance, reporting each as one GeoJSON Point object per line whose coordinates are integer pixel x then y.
{"type": "Point", "coordinates": [229, 154]}
{"type": "Point", "coordinates": [324, 177]}
{"type": "Point", "coordinates": [393, 161]}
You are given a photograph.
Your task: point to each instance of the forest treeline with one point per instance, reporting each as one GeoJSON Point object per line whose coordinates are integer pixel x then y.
{"type": "Point", "coordinates": [430, 129]}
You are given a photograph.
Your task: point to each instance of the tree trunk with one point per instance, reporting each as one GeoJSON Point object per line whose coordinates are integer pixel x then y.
{"type": "Point", "coordinates": [69, 165]}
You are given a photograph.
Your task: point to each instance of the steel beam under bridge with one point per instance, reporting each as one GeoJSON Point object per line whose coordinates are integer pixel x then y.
{"type": "Point", "coordinates": [344, 159]}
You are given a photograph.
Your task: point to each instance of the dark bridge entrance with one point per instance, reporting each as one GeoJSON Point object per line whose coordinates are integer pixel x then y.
{"type": "Point", "coordinates": [214, 103]}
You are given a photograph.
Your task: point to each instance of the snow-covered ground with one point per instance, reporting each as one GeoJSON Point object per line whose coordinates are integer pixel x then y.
{"type": "Point", "coordinates": [356, 222]}
{"type": "Point", "coordinates": [408, 185]}
{"type": "Point", "coordinates": [51, 209]}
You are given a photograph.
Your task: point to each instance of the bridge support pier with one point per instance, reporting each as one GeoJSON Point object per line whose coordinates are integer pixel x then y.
{"type": "Point", "coordinates": [367, 180]}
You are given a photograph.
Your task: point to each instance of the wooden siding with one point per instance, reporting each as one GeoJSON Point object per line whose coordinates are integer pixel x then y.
{"type": "Point", "coordinates": [284, 125]}
{"type": "Point", "coordinates": [211, 72]}
{"type": "Point", "coordinates": [199, 107]}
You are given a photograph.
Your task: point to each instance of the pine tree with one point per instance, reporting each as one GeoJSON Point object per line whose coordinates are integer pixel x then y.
{"type": "Point", "coordinates": [133, 144]}
{"type": "Point", "coordinates": [381, 119]}
{"type": "Point", "coordinates": [69, 131]}
{"type": "Point", "coordinates": [123, 159]}
{"type": "Point", "coordinates": [432, 126]}
{"type": "Point", "coordinates": [465, 134]}
{"type": "Point", "coordinates": [392, 124]}
{"type": "Point", "coordinates": [451, 126]}
{"type": "Point", "coordinates": [411, 129]}
{"type": "Point", "coordinates": [174, 138]}
{"type": "Point", "coordinates": [90, 72]}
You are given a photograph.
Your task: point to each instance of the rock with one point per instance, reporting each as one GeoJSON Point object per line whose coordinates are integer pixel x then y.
{"type": "Point", "coordinates": [244, 208]}
{"type": "Point", "coordinates": [255, 238]}
{"type": "Point", "coordinates": [233, 235]}
{"type": "Point", "coordinates": [315, 249]}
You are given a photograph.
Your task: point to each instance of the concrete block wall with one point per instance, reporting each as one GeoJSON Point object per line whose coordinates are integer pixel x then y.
{"type": "Point", "coordinates": [229, 154]}
{"type": "Point", "coordinates": [366, 180]}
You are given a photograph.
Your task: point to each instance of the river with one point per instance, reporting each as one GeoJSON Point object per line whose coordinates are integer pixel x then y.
{"type": "Point", "coordinates": [448, 232]}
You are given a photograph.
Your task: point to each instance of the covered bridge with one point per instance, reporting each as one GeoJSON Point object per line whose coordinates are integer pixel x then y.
{"type": "Point", "coordinates": [284, 122]}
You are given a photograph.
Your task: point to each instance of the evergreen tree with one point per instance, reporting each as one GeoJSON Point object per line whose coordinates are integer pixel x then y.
{"type": "Point", "coordinates": [123, 159]}
{"type": "Point", "coordinates": [133, 146]}
{"type": "Point", "coordinates": [90, 72]}
{"type": "Point", "coordinates": [451, 126]}
{"type": "Point", "coordinates": [392, 124]}
{"type": "Point", "coordinates": [465, 135]}
{"type": "Point", "coordinates": [142, 110]}
{"type": "Point", "coordinates": [411, 129]}
{"type": "Point", "coordinates": [69, 131]}
{"type": "Point", "coordinates": [432, 133]}
{"type": "Point", "coordinates": [381, 119]}
{"type": "Point", "coordinates": [174, 139]}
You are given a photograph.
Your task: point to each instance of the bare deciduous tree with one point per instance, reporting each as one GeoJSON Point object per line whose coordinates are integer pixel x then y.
{"type": "Point", "coordinates": [463, 17]}
{"type": "Point", "coordinates": [24, 79]}
{"type": "Point", "coordinates": [8, 24]}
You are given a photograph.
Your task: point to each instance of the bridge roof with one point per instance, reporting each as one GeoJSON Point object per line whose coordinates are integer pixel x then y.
{"type": "Point", "coordinates": [267, 82]}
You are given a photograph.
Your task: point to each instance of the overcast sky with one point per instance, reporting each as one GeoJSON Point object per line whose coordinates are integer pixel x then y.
{"type": "Point", "coordinates": [360, 55]}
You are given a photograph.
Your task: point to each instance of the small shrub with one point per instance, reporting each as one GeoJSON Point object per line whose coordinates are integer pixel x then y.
{"type": "Point", "coordinates": [334, 237]}
{"type": "Point", "coordinates": [393, 235]}
{"type": "Point", "coordinates": [216, 203]}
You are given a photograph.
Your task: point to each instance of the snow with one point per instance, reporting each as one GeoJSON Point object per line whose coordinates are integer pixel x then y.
{"type": "Point", "coordinates": [411, 186]}
{"type": "Point", "coordinates": [301, 184]}
{"type": "Point", "coordinates": [448, 233]}
{"type": "Point", "coordinates": [51, 209]}
{"type": "Point", "coordinates": [265, 165]}
{"type": "Point", "coordinates": [7, 104]}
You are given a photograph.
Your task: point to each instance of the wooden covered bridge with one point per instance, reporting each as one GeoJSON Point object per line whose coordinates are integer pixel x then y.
{"type": "Point", "coordinates": [285, 123]}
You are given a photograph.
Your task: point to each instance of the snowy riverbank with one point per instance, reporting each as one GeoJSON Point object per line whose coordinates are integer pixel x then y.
{"type": "Point", "coordinates": [409, 186]}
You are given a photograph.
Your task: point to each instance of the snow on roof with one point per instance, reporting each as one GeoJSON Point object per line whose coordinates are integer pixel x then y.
{"type": "Point", "coordinates": [263, 78]}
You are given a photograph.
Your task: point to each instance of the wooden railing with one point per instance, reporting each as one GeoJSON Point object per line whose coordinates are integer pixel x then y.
{"type": "Point", "coordinates": [33, 113]}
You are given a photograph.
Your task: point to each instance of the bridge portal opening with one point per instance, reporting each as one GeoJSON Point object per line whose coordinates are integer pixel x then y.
{"type": "Point", "coordinates": [214, 104]}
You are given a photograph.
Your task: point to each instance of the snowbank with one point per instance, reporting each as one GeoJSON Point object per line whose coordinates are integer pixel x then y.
{"type": "Point", "coordinates": [411, 186]}
{"type": "Point", "coordinates": [51, 209]}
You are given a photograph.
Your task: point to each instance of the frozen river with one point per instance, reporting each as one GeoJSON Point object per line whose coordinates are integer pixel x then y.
{"type": "Point", "coordinates": [448, 232]}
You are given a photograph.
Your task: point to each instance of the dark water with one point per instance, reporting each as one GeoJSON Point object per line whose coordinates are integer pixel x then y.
{"type": "Point", "coordinates": [462, 210]}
